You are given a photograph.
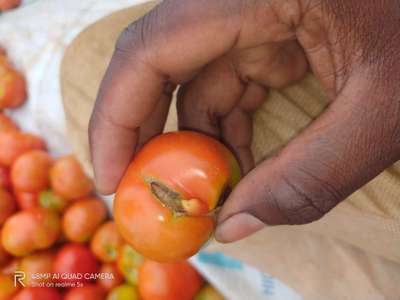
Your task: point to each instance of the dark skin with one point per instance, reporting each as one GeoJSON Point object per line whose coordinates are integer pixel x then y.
{"type": "Point", "coordinates": [227, 54]}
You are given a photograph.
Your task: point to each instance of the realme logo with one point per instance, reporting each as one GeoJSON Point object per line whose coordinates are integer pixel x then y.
{"type": "Point", "coordinates": [19, 278]}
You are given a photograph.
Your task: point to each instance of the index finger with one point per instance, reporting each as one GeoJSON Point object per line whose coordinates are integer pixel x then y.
{"type": "Point", "coordinates": [168, 45]}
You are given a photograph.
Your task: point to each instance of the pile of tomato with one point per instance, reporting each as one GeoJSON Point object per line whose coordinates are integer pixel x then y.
{"type": "Point", "coordinates": [56, 238]}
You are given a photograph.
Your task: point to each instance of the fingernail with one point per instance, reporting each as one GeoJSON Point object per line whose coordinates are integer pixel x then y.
{"type": "Point", "coordinates": [237, 227]}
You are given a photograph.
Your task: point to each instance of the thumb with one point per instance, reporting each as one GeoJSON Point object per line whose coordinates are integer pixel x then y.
{"type": "Point", "coordinates": [348, 145]}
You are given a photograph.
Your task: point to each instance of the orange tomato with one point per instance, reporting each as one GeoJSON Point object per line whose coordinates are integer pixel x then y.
{"type": "Point", "coordinates": [164, 204]}
{"type": "Point", "coordinates": [7, 287]}
{"type": "Point", "coordinates": [38, 263]}
{"type": "Point", "coordinates": [12, 89]}
{"type": "Point", "coordinates": [82, 218]}
{"type": "Point", "coordinates": [87, 292]}
{"type": "Point", "coordinates": [128, 263]}
{"type": "Point", "coordinates": [113, 279]}
{"type": "Point", "coordinates": [15, 143]}
{"type": "Point", "coordinates": [106, 242]}
{"type": "Point", "coordinates": [7, 205]}
{"type": "Point", "coordinates": [6, 123]}
{"type": "Point", "coordinates": [38, 293]}
{"type": "Point", "coordinates": [30, 172]}
{"type": "Point", "coordinates": [69, 180]}
{"type": "Point", "coordinates": [26, 200]}
{"type": "Point", "coordinates": [75, 264]}
{"type": "Point", "coordinates": [5, 181]}
{"type": "Point", "coordinates": [9, 4]}
{"type": "Point", "coordinates": [30, 230]}
{"type": "Point", "coordinates": [168, 281]}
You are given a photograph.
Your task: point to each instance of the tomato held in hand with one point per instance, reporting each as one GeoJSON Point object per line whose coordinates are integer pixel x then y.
{"type": "Point", "coordinates": [168, 281]}
{"type": "Point", "coordinates": [38, 263]}
{"type": "Point", "coordinates": [124, 292]}
{"type": "Point", "coordinates": [15, 143]}
{"type": "Point", "coordinates": [38, 293]}
{"type": "Point", "coordinates": [27, 200]}
{"type": "Point", "coordinates": [69, 180]}
{"type": "Point", "coordinates": [82, 218]}
{"type": "Point", "coordinates": [30, 230]}
{"type": "Point", "coordinates": [7, 205]}
{"type": "Point", "coordinates": [7, 287]}
{"type": "Point", "coordinates": [75, 264]}
{"type": "Point", "coordinates": [106, 242]}
{"type": "Point", "coordinates": [113, 277]}
{"type": "Point", "coordinates": [87, 292]}
{"type": "Point", "coordinates": [165, 201]}
{"type": "Point", "coordinates": [30, 171]}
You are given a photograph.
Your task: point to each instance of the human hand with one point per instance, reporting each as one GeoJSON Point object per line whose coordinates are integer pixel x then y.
{"type": "Point", "coordinates": [226, 54]}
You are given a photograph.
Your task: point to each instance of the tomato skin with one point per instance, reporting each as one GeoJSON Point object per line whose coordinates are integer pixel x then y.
{"type": "Point", "coordinates": [208, 293]}
{"type": "Point", "coordinates": [12, 89]}
{"type": "Point", "coordinates": [7, 205]}
{"type": "Point", "coordinates": [75, 259]}
{"type": "Point", "coordinates": [6, 123]}
{"type": "Point", "coordinates": [9, 4]}
{"type": "Point", "coordinates": [7, 288]}
{"type": "Point", "coordinates": [50, 200]}
{"type": "Point", "coordinates": [106, 242]}
{"type": "Point", "coordinates": [128, 263]}
{"type": "Point", "coordinates": [38, 293]}
{"type": "Point", "coordinates": [124, 292]}
{"type": "Point", "coordinates": [30, 171]}
{"type": "Point", "coordinates": [69, 180]}
{"type": "Point", "coordinates": [15, 143]}
{"type": "Point", "coordinates": [5, 180]}
{"type": "Point", "coordinates": [108, 284]}
{"type": "Point", "coordinates": [193, 165]}
{"type": "Point", "coordinates": [37, 263]}
{"type": "Point", "coordinates": [26, 200]}
{"type": "Point", "coordinates": [168, 281]}
{"type": "Point", "coordinates": [82, 218]}
{"type": "Point", "coordinates": [30, 230]}
{"type": "Point", "coordinates": [87, 292]}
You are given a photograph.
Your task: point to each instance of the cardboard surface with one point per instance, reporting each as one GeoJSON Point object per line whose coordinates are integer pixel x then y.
{"type": "Point", "coordinates": [352, 253]}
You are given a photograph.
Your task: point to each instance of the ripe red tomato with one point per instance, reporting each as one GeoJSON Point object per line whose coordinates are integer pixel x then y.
{"type": "Point", "coordinates": [12, 88]}
{"type": "Point", "coordinates": [30, 230]}
{"type": "Point", "coordinates": [15, 143]}
{"type": "Point", "coordinates": [30, 171]}
{"type": "Point", "coordinates": [9, 4]}
{"type": "Point", "coordinates": [128, 263]}
{"type": "Point", "coordinates": [38, 263]}
{"type": "Point", "coordinates": [82, 218]}
{"type": "Point", "coordinates": [106, 242]}
{"type": "Point", "coordinates": [7, 287]}
{"type": "Point", "coordinates": [69, 180]}
{"type": "Point", "coordinates": [38, 293]}
{"type": "Point", "coordinates": [168, 281]}
{"type": "Point", "coordinates": [5, 181]}
{"type": "Point", "coordinates": [124, 292]}
{"type": "Point", "coordinates": [7, 205]}
{"type": "Point", "coordinates": [163, 203]}
{"type": "Point", "coordinates": [26, 200]}
{"type": "Point", "coordinates": [87, 292]}
{"type": "Point", "coordinates": [208, 293]}
{"type": "Point", "coordinates": [113, 279]}
{"type": "Point", "coordinates": [75, 263]}
{"type": "Point", "coordinates": [6, 123]}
